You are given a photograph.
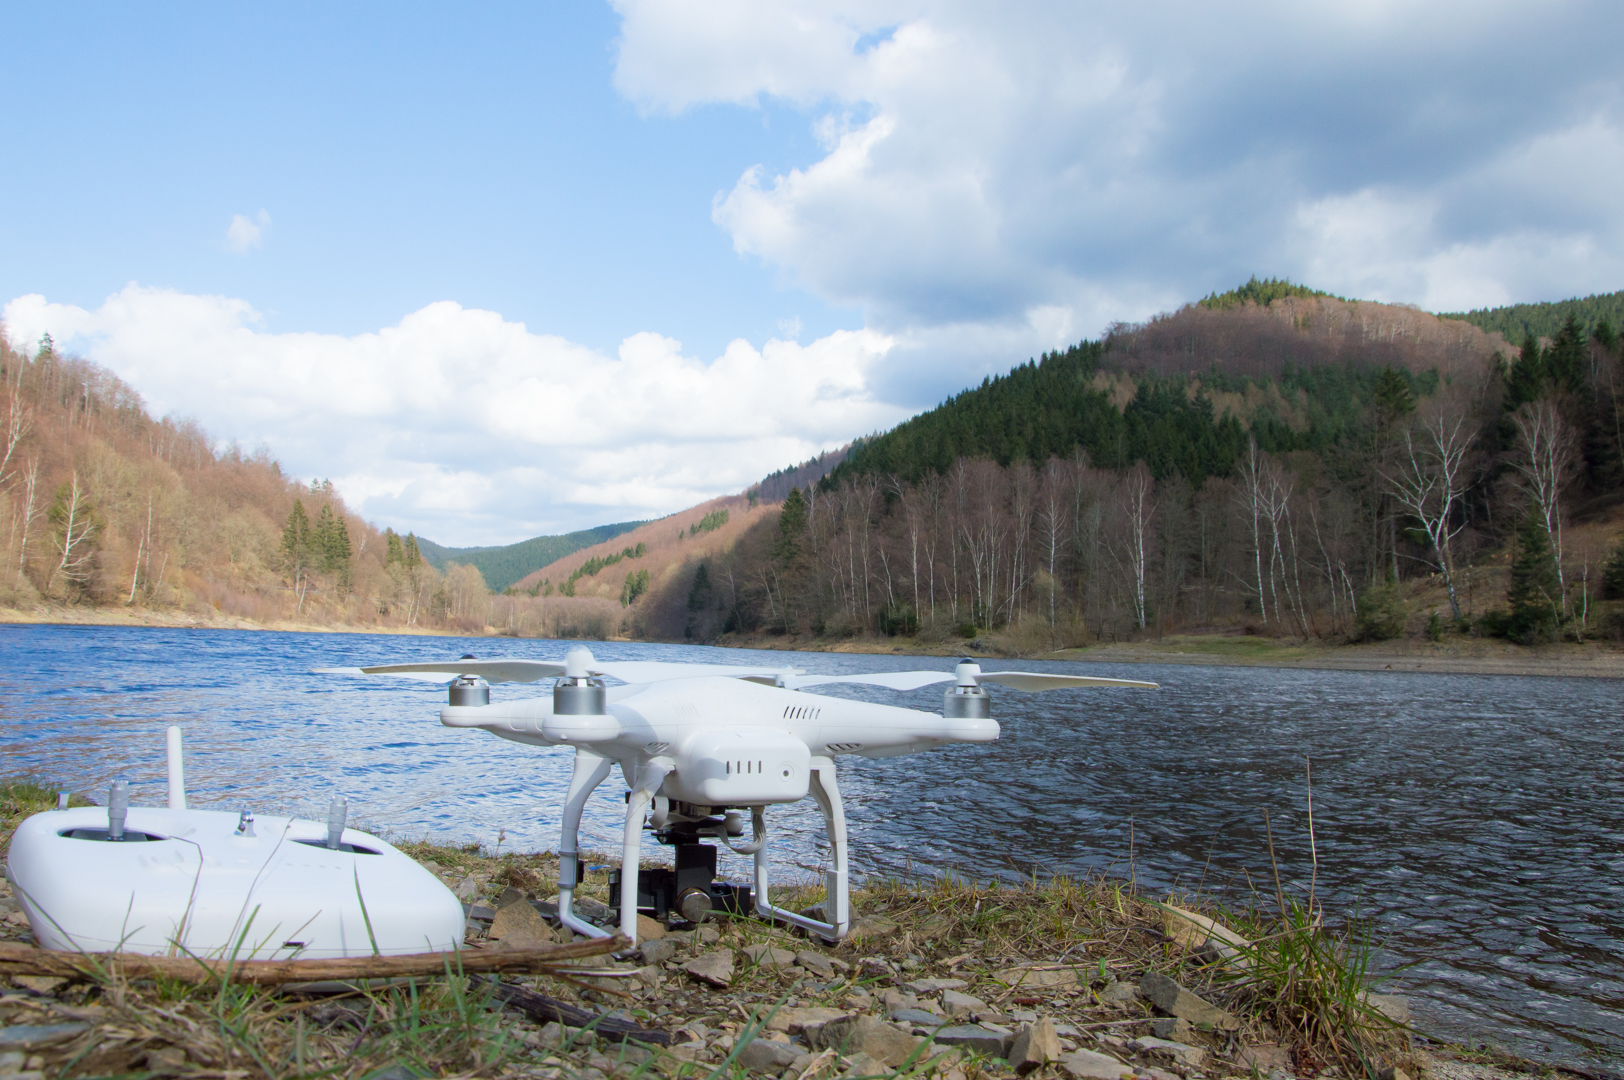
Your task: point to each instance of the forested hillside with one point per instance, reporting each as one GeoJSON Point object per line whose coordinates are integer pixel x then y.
{"type": "Point", "coordinates": [103, 506]}
{"type": "Point", "coordinates": [1275, 459]}
{"type": "Point", "coordinates": [1519, 321]}
{"type": "Point", "coordinates": [502, 566]}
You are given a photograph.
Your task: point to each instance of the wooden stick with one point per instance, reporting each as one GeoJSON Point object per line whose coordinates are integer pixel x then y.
{"type": "Point", "coordinates": [542, 1008]}
{"type": "Point", "coordinates": [25, 960]}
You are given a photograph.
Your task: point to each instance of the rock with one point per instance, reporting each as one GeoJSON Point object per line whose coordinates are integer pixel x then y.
{"type": "Point", "coordinates": [166, 1060]}
{"type": "Point", "coordinates": [816, 963]}
{"type": "Point", "coordinates": [40, 984]}
{"type": "Point", "coordinates": [1201, 934]}
{"type": "Point", "coordinates": [467, 890]}
{"type": "Point", "coordinates": [510, 895]}
{"type": "Point", "coordinates": [1392, 1072]}
{"type": "Point", "coordinates": [982, 1040]}
{"type": "Point", "coordinates": [892, 998]}
{"type": "Point", "coordinates": [1179, 1053]}
{"type": "Point", "coordinates": [593, 911]}
{"type": "Point", "coordinates": [915, 1018]}
{"type": "Point", "coordinates": [640, 978]}
{"type": "Point", "coordinates": [873, 926]}
{"type": "Point", "coordinates": [1035, 1046]}
{"type": "Point", "coordinates": [759, 1054]}
{"type": "Point", "coordinates": [657, 951]}
{"type": "Point", "coordinates": [649, 929]}
{"type": "Point", "coordinates": [874, 966]}
{"type": "Point", "coordinates": [1119, 993]}
{"type": "Point", "coordinates": [935, 986]}
{"type": "Point", "coordinates": [1173, 1027]}
{"type": "Point", "coordinates": [956, 1004]}
{"type": "Point", "coordinates": [796, 1021]}
{"type": "Point", "coordinates": [1088, 1065]}
{"type": "Point", "coordinates": [863, 1035]}
{"type": "Point", "coordinates": [1264, 1058]}
{"type": "Point", "coordinates": [708, 935]}
{"type": "Point", "coordinates": [1039, 977]}
{"type": "Point", "coordinates": [861, 1064]}
{"type": "Point", "coordinates": [479, 913]}
{"type": "Point", "coordinates": [33, 1036]}
{"type": "Point", "coordinates": [768, 956]}
{"type": "Point", "coordinates": [520, 919]}
{"type": "Point", "coordinates": [1154, 1073]}
{"type": "Point", "coordinates": [680, 938]}
{"type": "Point", "coordinates": [714, 968]}
{"type": "Point", "coordinates": [1172, 998]}
{"type": "Point", "coordinates": [1395, 1008]}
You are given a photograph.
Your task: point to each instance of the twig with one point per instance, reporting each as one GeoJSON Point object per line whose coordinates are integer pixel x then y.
{"type": "Point", "coordinates": [541, 1007]}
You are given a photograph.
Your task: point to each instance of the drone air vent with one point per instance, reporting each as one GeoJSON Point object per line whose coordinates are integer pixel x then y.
{"type": "Point", "coordinates": [843, 747]}
{"type": "Point", "coordinates": [745, 768]}
{"type": "Point", "coordinates": [656, 747]}
{"type": "Point", "coordinates": [793, 712]}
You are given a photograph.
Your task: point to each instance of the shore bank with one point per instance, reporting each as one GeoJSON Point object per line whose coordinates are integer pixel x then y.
{"type": "Point", "coordinates": [944, 980]}
{"type": "Point", "coordinates": [1453, 655]}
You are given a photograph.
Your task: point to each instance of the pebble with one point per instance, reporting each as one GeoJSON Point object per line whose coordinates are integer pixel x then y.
{"type": "Point", "coordinates": [916, 1018]}
{"type": "Point", "coordinates": [715, 969]}
{"type": "Point", "coordinates": [957, 1004]}
{"type": "Point", "coordinates": [935, 986]}
{"type": "Point", "coordinates": [768, 956]}
{"type": "Point", "coordinates": [1180, 1053]}
{"type": "Point", "coordinates": [1089, 1065]}
{"type": "Point", "coordinates": [864, 1035]}
{"type": "Point", "coordinates": [982, 1040]}
{"type": "Point", "coordinates": [761, 1054]}
{"type": "Point", "coordinates": [33, 1036]}
{"type": "Point", "coordinates": [1034, 1047]}
{"type": "Point", "coordinates": [816, 963]}
{"type": "Point", "coordinates": [1174, 999]}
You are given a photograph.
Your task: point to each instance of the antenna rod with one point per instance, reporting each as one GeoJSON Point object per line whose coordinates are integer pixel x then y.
{"type": "Point", "coordinates": [337, 812]}
{"type": "Point", "coordinates": [177, 770]}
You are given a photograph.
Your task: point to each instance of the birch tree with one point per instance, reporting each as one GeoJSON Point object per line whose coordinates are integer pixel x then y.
{"type": "Point", "coordinates": [1428, 481]}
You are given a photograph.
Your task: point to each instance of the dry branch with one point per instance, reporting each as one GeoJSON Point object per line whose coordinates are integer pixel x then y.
{"type": "Point", "coordinates": [25, 960]}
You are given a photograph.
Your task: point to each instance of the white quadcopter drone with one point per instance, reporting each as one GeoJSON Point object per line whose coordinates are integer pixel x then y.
{"type": "Point", "coordinates": [701, 744]}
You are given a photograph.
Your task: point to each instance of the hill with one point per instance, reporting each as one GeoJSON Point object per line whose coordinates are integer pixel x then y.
{"type": "Point", "coordinates": [504, 565]}
{"type": "Point", "coordinates": [1518, 321]}
{"type": "Point", "coordinates": [1273, 459]}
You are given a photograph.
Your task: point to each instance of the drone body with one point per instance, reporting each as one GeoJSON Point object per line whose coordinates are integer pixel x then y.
{"type": "Point", "coordinates": [700, 745]}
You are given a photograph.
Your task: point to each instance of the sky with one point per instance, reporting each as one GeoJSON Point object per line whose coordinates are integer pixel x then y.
{"type": "Point", "coordinates": [499, 270]}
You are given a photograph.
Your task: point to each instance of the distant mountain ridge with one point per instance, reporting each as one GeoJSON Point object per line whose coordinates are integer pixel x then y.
{"type": "Point", "coordinates": [504, 565]}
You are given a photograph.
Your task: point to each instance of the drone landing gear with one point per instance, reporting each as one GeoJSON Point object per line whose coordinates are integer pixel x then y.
{"type": "Point", "coordinates": [695, 872]}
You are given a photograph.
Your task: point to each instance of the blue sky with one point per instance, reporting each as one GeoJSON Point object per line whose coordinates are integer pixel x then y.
{"type": "Point", "coordinates": [501, 270]}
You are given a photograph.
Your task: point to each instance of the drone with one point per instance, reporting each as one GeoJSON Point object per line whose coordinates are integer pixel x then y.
{"type": "Point", "coordinates": [701, 745]}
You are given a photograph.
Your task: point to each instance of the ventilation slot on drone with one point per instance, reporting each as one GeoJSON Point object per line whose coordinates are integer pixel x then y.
{"type": "Point", "coordinates": [843, 747]}
{"type": "Point", "coordinates": [792, 712]}
{"type": "Point", "coordinates": [657, 748]}
{"type": "Point", "coordinates": [744, 768]}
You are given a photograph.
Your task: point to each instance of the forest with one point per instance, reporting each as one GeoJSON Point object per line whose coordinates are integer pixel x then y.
{"type": "Point", "coordinates": [103, 506]}
{"type": "Point", "coordinates": [1277, 460]}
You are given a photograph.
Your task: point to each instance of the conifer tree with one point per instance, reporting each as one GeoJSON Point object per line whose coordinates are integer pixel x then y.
{"type": "Point", "coordinates": [1612, 575]}
{"type": "Point", "coordinates": [1535, 591]}
{"type": "Point", "coordinates": [394, 552]}
{"type": "Point", "coordinates": [791, 526]}
{"type": "Point", "coordinates": [296, 540]}
{"type": "Point", "coordinates": [410, 555]}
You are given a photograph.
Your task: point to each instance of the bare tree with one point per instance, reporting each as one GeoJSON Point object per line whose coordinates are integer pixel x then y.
{"type": "Point", "coordinates": [76, 531]}
{"type": "Point", "coordinates": [1138, 506]}
{"type": "Point", "coordinates": [1428, 482]}
{"type": "Point", "coordinates": [1545, 462]}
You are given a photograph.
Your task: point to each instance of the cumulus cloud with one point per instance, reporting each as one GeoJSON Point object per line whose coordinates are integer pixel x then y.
{"type": "Point", "coordinates": [244, 234]}
{"type": "Point", "coordinates": [473, 429]}
{"type": "Point", "coordinates": [1014, 169]}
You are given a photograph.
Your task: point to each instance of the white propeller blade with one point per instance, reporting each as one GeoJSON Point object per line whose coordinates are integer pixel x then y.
{"type": "Point", "coordinates": [579, 662]}
{"type": "Point", "coordinates": [492, 671]}
{"type": "Point", "coordinates": [1031, 682]}
{"type": "Point", "coordinates": [648, 671]}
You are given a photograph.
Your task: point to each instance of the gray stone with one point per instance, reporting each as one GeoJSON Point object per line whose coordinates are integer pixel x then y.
{"type": "Point", "coordinates": [32, 1036]}
{"type": "Point", "coordinates": [715, 968]}
{"type": "Point", "coordinates": [873, 926]}
{"type": "Point", "coordinates": [1179, 1053]}
{"type": "Point", "coordinates": [1265, 1058]}
{"type": "Point", "coordinates": [816, 963]}
{"type": "Point", "coordinates": [479, 912]}
{"type": "Point", "coordinates": [1119, 993]}
{"type": "Point", "coordinates": [768, 956]}
{"type": "Point", "coordinates": [1088, 1065]}
{"type": "Point", "coordinates": [1039, 977]}
{"type": "Point", "coordinates": [593, 911]}
{"type": "Point", "coordinates": [860, 1064]}
{"type": "Point", "coordinates": [467, 889]}
{"type": "Point", "coordinates": [1173, 1027]}
{"type": "Point", "coordinates": [1035, 1046]}
{"type": "Point", "coordinates": [796, 1021]}
{"type": "Point", "coordinates": [658, 951]}
{"type": "Point", "coordinates": [935, 986]}
{"type": "Point", "coordinates": [1173, 999]}
{"type": "Point", "coordinates": [864, 1035]}
{"type": "Point", "coordinates": [520, 922]}
{"type": "Point", "coordinates": [956, 1004]}
{"type": "Point", "coordinates": [916, 1018]}
{"type": "Point", "coordinates": [1395, 1008]}
{"type": "Point", "coordinates": [893, 998]}
{"type": "Point", "coordinates": [510, 895]}
{"type": "Point", "coordinates": [708, 935]}
{"type": "Point", "coordinates": [759, 1054]}
{"type": "Point", "coordinates": [973, 1037]}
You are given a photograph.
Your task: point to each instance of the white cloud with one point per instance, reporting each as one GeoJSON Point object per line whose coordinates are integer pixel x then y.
{"type": "Point", "coordinates": [245, 234]}
{"type": "Point", "coordinates": [981, 164]}
{"type": "Point", "coordinates": [469, 428]}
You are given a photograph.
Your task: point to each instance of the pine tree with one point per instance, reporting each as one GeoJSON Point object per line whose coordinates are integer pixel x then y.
{"type": "Point", "coordinates": [1535, 591]}
{"type": "Point", "coordinates": [791, 526]}
{"type": "Point", "coordinates": [332, 545]}
{"type": "Point", "coordinates": [394, 551]}
{"type": "Point", "coordinates": [410, 555]}
{"type": "Point", "coordinates": [1612, 575]}
{"type": "Point", "coordinates": [296, 541]}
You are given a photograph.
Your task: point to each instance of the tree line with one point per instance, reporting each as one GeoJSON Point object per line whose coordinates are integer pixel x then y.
{"type": "Point", "coordinates": [1311, 467]}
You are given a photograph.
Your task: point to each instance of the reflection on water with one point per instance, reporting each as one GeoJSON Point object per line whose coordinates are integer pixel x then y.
{"type": "Point", "coordinates": [1477, 822]}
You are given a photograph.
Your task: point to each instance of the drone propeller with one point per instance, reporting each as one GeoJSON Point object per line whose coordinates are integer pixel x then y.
{"type": "Point", "coordinates": [579, 663]}
{"type": "Point", "coordinates": [969, 673]}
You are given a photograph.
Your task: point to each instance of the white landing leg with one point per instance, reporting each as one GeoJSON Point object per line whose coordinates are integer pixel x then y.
{"type": "Point", "coordinates": [837, 899]}
{"type": "Point", "coordinates": [649, 778]}
{"type": "Point", "coordinates": [590, 770]}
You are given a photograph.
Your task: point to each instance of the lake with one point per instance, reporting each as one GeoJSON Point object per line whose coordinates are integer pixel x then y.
{"type": "Point", "coordinates": [1475, 822]}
